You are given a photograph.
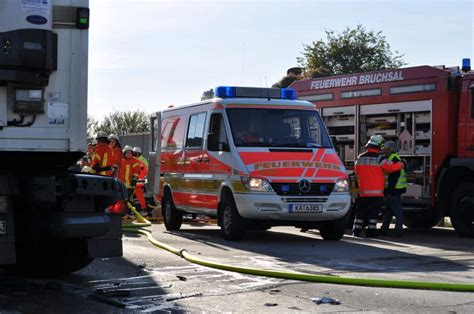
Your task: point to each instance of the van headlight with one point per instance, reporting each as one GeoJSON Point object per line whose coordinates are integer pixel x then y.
{"type": "Point", "coordinates": [256, 184]}
{"type": "Point", "coordinates": [342, 185]}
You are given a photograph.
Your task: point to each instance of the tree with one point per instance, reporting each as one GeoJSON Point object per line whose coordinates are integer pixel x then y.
{"type": "Point", "coordinates": [92, 125]}
{"type": "Point", "coordinates": [125, 122]}
{"type": "Point", "coordinates": [352, 51]}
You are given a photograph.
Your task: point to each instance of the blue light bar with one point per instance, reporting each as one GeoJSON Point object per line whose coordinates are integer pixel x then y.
{"type": "Point", "coordinates": [225, 91]}
{"type": "Point", "coordinates": [466, 65]}
{"type": "Point", "coordinates": [288, 93]}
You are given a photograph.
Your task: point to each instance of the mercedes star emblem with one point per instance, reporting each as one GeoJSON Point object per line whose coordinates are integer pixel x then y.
{"type": "Point", "coordinates": [305, 186]}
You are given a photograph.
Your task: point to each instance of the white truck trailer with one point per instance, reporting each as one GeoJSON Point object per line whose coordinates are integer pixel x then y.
{"type": "Point", "coordinates": [53, 220]}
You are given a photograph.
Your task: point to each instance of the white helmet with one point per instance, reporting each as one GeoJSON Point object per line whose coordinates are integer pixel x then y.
{"type": "Point", "coordinates": [101, 135]}
{"type": "Point", "coordinates": [113, 137]}
{"type": "Point", "coordinates": [127, 148]}
{"type": "Point", "coordinates": [137, 150]}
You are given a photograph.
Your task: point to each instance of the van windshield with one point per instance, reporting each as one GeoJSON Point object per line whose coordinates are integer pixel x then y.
{"type": "Point", "coordinates": [277, 128]}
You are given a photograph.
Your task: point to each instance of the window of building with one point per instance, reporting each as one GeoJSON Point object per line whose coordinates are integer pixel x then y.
{"type": "Point", "coordinates": [412, 88]}
{"type": "Point", "coordinates": [318, 97]}
{"type": "Point", "coordinates": [361, 93]}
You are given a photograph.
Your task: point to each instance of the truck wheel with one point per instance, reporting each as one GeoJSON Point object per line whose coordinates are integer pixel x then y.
{"type": "Point", "coordinates": [462, 210]}
{"type": "Point", "coordinates": [420, 220]}
{"type": "Point", "coordinates": [172, 217]}
{"type": "Point", "coordinates": [233, 225]}
{"type": "Point", "coordinates": [50, 258]}
{"type": "Point", "coordinates": [333, 230]}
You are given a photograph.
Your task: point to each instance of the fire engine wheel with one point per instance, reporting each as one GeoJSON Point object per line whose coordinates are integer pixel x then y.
{"type": "Point", "coordinates": [172, 217]}
{"type": "Point", "coordinates": [50, 258]}
{"type": "Point", "coordinates": [333, 230]}
{"type": "Point", "coordinates": [233, 226]}
{"type": "Point", "coordinates": [462, 210]}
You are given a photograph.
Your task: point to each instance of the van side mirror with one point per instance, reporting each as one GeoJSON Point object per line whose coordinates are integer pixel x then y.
{"type": "Point", "coordinates": [214, 145]}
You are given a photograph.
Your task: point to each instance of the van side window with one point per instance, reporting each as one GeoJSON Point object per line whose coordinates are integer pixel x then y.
{"type": "Point", "coordinates": [217, 127]}
{"type": "Point", "coordinates": [196, 130]}
{"type": "Point", "coordinates": [471, 96]}
{"type": "Point", "coordinates": [165, 134]}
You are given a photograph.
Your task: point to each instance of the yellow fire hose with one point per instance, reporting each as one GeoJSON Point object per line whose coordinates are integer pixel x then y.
{"type": "Point", "coordinates": [402, 284]}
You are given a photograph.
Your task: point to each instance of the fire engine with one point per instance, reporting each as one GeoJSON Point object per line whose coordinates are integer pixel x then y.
{"type": "Point", "coordinates": [52, 221]}
{"type": "Point", "coordinates": [253, 158]}
{"type": "Point", "coordinates": [429, 112]}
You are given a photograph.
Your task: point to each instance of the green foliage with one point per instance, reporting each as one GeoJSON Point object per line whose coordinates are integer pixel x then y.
{"type": "Point", "coordinates": [125, 122]}
{"type": "Point", "coordinates": [352, 51]}
{"type": "Point", "coordinates": [285, 81]}
{"type": "Point", "coordinates": [92, 125]}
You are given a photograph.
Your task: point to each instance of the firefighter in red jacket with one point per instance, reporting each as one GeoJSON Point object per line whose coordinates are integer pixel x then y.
{"type": "Point", "coordinates": [102, 158]}
{"type": "Point", "coordinates": [370, 169]}
{"type": "Point", "coordinates": [117, 154]}
{"type": "Point", "coordinates": [130, 173]}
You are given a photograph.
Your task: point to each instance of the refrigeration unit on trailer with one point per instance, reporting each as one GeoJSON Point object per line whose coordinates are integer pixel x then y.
{"type": "Point", "coordinates": [52, 221]}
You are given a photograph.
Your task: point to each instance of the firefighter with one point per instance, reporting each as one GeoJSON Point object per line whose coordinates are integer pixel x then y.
{"type": "Point", "coordinates": [117, 154]}
{"type": "Point", "coordinates": [102, 159]}
{"type": "Point", "coordinates": [369, 169]}
{"type": "Point", "coordinates": [131, 170]}
{"type": "Point", "coordinates": [139, 188]}
{"type": "Point", "coordinates": [86, 160]}
{"type": "Point", "coordinates": [137, 152]}
{"type": "Point", "coordinates": [395, 186]}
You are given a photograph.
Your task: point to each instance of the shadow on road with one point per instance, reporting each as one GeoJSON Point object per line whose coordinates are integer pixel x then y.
{"type": "Point", "coordinates": [349, 254]}
{"type": "Point", "coordinates": [121, 285]}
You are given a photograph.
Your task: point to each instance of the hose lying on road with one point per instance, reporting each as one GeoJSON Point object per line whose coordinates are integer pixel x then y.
{"type": "Point", "coordinates": [405, 284]}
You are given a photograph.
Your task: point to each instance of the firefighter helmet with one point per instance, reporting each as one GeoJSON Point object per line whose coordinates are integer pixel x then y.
{"type": "Point", "coordinates": [113, 137]}
{"type": "Point", "coordinates": [127, 148]}
{"type": "Point", "coordinates": [137, 150]}
{"type": "Point", "coordinates": [375, 141]}
{"type": "Point", "coordinates": [101, 135]}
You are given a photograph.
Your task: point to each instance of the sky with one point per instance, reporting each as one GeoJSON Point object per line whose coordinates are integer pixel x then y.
{"type": "Point", "coordinates": [148, 55]}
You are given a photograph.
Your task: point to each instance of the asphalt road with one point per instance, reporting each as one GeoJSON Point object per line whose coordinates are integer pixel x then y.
{"type": "Point", "coordinates": [148, 279]}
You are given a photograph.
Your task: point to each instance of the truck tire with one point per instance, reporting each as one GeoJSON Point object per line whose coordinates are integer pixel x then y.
{"type": "Point", "coordinates": [462, 209]}
{"type": "Point", "coordinates": [333, 230]}
{"type": "Point", "coordinates": [420, 220]}
{"type": "Point", "coordinates": [233, 226]}
{"type": "Point", "coordinates": [172, 217]}
{"type": "Point", "coordinates": [50, 258]}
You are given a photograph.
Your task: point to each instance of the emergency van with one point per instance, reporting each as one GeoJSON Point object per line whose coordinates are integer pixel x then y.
{"type": "Point", "coordinates": [253, 158]}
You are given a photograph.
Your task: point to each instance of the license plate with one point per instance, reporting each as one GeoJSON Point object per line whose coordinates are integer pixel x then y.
{"type": "Point", "coordinates": [306, 208]}
{"type": "Point", "coordinates": [3, 227]}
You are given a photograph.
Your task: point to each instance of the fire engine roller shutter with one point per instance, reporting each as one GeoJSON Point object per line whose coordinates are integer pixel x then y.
{"type": "Point", "coordinates": [409, 106]}
{"type": "Point", "coordinates": [338, 111]}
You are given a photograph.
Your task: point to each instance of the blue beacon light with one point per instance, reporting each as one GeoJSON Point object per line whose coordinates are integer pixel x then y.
{"type": "Point", "coordinates": [466, 65]}
{"type": "Point", "coordinates": [288, 93]}
{"type": "Point", "coordinates": [225, 91]}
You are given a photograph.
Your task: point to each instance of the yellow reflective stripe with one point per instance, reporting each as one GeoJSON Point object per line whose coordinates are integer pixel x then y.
{"type": "Point", "coordinates": [136, 164]}
{"type": "Point", "coordinates": [127, 173]}
{"type": "Point", "coordinates": [402, 179]}
{"type": "Point", "coordinates": [96, 156]}
{"type": "Point", "coordinates": [104, 162]}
